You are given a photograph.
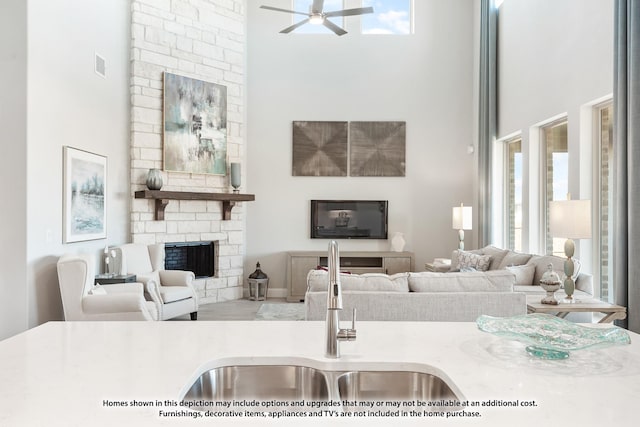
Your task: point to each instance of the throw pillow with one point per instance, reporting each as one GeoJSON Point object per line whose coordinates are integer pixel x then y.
{"type": "Point", "coordinates": [468, 260]}
{"type": "Point", "coordinates": [524, 274]}
{"type": "Point", "coordinates": [97, 290]}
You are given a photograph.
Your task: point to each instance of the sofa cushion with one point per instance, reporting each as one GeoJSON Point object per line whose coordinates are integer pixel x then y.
{"type": "Point", "coordinates": [467, 260]}
{"type": "Point", "coordinates": [489, 281]}
{"type": "Point", "coordinates": [497, 255]}
{"type": "Point", "coordinates": [514, 258]}
{"type": "Point", "coordinates": [542, 261]}
{"type": "Point", "coordinates": [524, 274]}
{"type": "Point", "coordinates": [454, 258]}
{"type": "Point", "coordinates": [318, 280]}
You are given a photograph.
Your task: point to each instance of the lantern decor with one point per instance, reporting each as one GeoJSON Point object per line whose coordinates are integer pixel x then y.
{"type": "Point", "coordinates": [258, 285]}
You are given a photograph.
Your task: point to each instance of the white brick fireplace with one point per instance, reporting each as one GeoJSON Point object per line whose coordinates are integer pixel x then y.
{"type": "Point", "coordinates": [201, 39]}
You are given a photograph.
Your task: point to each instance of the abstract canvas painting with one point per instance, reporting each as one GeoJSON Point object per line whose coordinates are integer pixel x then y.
{"type": "Point", "coordinates": [319, 148]}
{"type": "Point", "coordinates": [195, 125]}
{"type": "Point", "coordinates": [85, 189]}
{"type": "Point", "coordinates": [377, 148]}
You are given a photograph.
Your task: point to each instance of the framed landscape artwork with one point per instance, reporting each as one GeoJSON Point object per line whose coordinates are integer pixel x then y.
{"type": "Point", "coordinates": [377, 148]}
{"type": "Point", "coordinates": [85, 189]}
{"type": "Point", "coordinates": [195, 126]}
{"type": "Point", "coordinates": [319, 148]}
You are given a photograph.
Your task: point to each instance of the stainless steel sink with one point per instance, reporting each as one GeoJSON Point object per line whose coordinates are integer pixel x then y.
{"type": "Point", "coordinates": [304, 383]}
{"type": "Point", "coordinates": [259, 382]}
{"type": "Point", "coordinates": [393, 385]}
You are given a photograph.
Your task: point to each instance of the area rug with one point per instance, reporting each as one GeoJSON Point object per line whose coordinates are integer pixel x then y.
{"type": "Point", "coordinates": [288, 311]}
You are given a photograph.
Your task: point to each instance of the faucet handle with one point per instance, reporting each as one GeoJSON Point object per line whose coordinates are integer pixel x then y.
{"type": "Point", "coordinates": [353, 320]}
{"type": "Point", "coordinates": [349, 334]}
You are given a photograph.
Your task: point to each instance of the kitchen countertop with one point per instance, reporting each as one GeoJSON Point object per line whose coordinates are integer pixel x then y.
{"type": "Point", "coordinates": [70, 373]}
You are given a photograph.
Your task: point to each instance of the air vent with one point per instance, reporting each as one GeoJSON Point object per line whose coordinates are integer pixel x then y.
{"type": "Point", "coordinates": [101, 66]}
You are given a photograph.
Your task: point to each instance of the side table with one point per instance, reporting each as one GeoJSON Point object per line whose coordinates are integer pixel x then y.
{"type": "Point", "coordinates": [107, 279]}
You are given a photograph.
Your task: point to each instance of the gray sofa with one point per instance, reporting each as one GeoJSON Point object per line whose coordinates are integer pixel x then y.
{"type": "Point", "coordinates": [501, 290]}
{"type": "Point", "coordinates": [423, 296]}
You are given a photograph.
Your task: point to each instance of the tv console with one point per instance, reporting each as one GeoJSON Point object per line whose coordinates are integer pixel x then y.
{"type": "Point", "coordinates": [300, 262]}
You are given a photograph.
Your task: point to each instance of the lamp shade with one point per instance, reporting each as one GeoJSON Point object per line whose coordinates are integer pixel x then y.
{"type": "Point", "coordinates": [462, 217]}
{"type": "Point", "coordinates": [570, 219]}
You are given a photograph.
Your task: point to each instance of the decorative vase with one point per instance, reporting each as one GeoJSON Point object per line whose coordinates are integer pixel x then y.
{"type": "Point", "coordinates": [397, 242]}
{"type": "Point", "coordinates": [154, 179]}
{"type": "Point", "coordinates": [235, 177]}
{"type": "Point", "coordinates": [550, 282]}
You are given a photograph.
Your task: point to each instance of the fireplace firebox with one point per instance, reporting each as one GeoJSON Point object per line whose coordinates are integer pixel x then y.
{"type": "Point", "coordinates": [199, 257]}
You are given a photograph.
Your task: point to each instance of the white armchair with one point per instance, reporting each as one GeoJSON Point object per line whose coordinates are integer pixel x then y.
{"type": "Point", "coordinates": [172, 290]}
{"type": "Point", "coordinates": [82, 301]}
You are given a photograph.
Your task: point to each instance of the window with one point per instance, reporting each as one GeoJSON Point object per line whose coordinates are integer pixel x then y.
{"type": "Point", "coordinates": [388, 17]}
{"type": "Point", "coordinates": [513, 195]}
{"type": "Point", "coordinates": [556, 173]}
{"type": "Point", "coordinates": [305, 6]}
{"type": "Point", "coordinates": [605, 199]}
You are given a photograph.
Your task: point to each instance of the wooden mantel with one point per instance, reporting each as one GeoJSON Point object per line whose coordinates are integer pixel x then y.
{"type": "Point", "coordinates": [162, 199]}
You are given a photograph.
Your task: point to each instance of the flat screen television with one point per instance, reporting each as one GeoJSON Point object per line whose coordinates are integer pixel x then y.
{"type": "Point", "coordinates": [349, 219]}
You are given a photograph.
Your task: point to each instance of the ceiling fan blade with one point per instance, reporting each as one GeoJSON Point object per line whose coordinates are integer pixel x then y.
{"type": "Point", "coordinates": [294, 26]}
{"type": "Point", "coordinates": [317, 6]}
{"type": "Point", "coordinates": [350, 12]}
{"type": "Point", "coordinates": [333, 27]}
{"type": "Point", "coordinates": [277, 9]}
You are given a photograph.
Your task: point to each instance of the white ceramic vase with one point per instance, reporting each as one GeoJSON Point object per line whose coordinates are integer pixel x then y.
{"type": "Point", "coordinates": [397, 242]}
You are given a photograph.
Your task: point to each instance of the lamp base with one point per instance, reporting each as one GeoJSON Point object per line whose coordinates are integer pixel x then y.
{"type": "Point", "coordinates": [461, 240]}
{"type": "Point", "coordinates": [569, 268]}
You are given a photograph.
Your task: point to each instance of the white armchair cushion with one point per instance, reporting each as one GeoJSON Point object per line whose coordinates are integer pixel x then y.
{"type": "Point", "coordinates": [174, 293]}
{"type": "Point", "coordinates": [175, 277]}
{"type": "Point", "coordinates": [114, 303]}
{"type": "Point", "coordinates": [135, 259]}
{"type": "Point", "coordinates": [97, 290]}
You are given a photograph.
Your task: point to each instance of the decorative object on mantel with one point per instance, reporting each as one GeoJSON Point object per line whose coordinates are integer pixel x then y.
{"type": "Point", "coordinates": [550, 282]}
{"type": "Point", "coordinates": [258, 284]}
{"type": "Point", "coordinates": [235, 177]}
{"type": "Point", "coordinates": [85, 201]}
{"type": "Point", "coordinates": [162, 199]}
{"type": "Point", "coordinates": [319, 148]}
{"type": "Point", "coordinates": [154, 179]}
{"type": "Point", "coordinates": [195, 125]}
{"type": "Point", "coordinates": [377, 148]}
{"type": "Point", "coordinates": [462, 219]}
{"type": "Point", "coordinates": [550, 337]}
{"type": "Point", "coordinates": [397, 242]}
{"type": "Point", "coordinates": [570, 219]}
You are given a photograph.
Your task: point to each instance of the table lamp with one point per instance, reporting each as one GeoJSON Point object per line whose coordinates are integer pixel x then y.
{"type": "Point", "coordinates": [462, 219]}
{"type": "Point", "coordinates": [570, 219]}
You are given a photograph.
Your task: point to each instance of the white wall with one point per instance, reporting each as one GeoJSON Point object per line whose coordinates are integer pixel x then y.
{"type": "Point", "coordinates": [51, 98]}
{"type": "Point", "coordinates": [13, 227]}
{"type": "Point", "coordinates": [425, 79]}
{"type": "Point", "coordinates": [555, 58]}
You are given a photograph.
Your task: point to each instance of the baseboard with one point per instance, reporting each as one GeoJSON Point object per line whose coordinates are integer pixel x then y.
{"type": "Point", "coordinates": [277, 293]}
{"type": "Point", "coordinates": [271, 293]}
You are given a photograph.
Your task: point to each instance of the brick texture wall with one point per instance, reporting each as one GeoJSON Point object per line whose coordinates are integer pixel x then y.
{"type": "Point", "coordinates": [201, 39]}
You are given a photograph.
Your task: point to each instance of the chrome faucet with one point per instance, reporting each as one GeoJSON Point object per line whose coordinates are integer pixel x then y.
{"type": "Point", "coordinates": [334, 305]}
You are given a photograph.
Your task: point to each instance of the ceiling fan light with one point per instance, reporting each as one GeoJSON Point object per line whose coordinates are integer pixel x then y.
{"type": "Point", "coordinates": [316, 19]}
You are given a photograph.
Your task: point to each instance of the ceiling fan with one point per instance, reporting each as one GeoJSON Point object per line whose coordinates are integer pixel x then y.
{"type": "Point", "coordinates": [316, 16]}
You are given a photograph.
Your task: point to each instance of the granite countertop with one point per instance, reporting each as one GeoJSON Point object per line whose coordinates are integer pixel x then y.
{"type": "Point", "coordinates": [69, 373]}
